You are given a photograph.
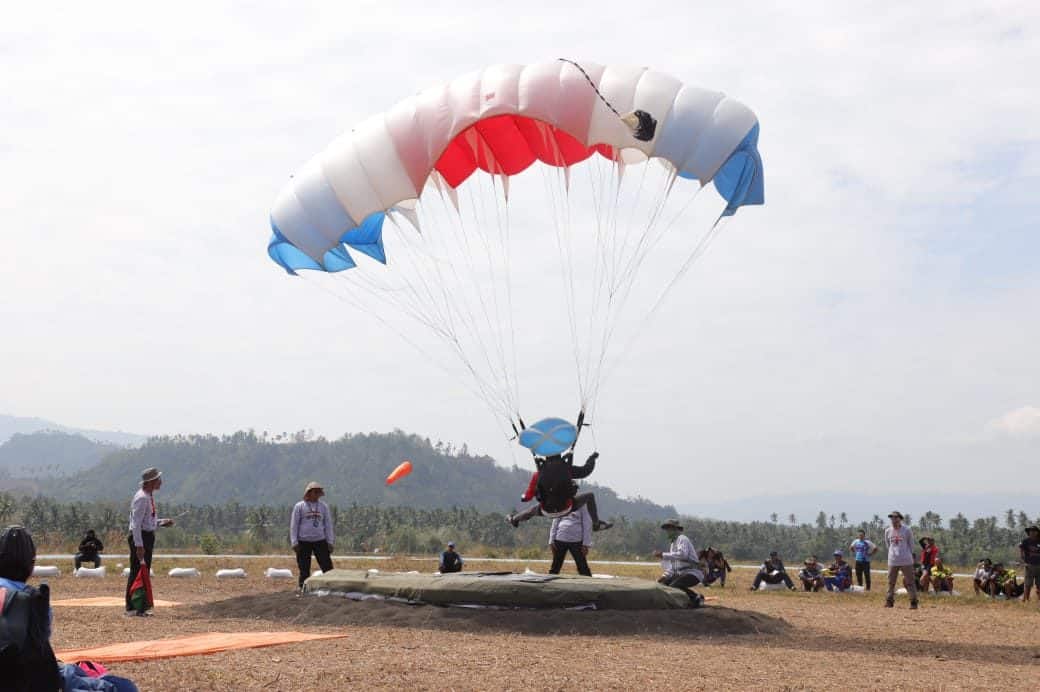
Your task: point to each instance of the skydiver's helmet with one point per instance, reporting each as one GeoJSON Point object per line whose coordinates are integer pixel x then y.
{"type": "Point", "coordinates": [17, 553]}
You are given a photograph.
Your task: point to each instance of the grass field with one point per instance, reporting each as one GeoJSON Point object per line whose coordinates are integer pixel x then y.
{"type": "Point", "coordinates": [800, 641]}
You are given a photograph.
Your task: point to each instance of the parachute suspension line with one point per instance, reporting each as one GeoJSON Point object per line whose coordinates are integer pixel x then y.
{"type": "Point", "coordinates": [698, 251]}
{"type": "Point", "coordinates": [642, 124]}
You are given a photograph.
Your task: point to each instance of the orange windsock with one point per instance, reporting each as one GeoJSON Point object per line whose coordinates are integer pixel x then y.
{"type": "Point", "coordinates": [400, 472]}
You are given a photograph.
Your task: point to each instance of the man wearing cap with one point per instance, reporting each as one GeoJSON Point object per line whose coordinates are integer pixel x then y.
{"type": "Point", "coordinates": [682, 567]}
{"type": "Point", "coordinates": [1030, 550]}
{"type": "Point", "coordinates": [838, 576]}
{"type": "Point", "coordinates": [899, 540]}
{"type": "Point", "coordinates": [143, 522]}
{"type": "Point", "coordinates": [311, 531]}
{"type": "Point", "coordinates": [451, 561]}
{"type": "Point", "coordinates": [772, 572]}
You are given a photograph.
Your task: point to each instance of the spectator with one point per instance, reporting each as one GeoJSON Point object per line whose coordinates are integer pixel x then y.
{"type": "Point", "coordinates": [717, 566]}
{"type": "Point", "coordinates": [838, 577]}
{"type": "Point", "coordinates": [863, 550]}
{"type": "Point", "coordinates": [1005, 582]}
{"type": "Point", "coordinates": [27, 661]}
{"type": "Point", "coordinates": [929, 554]}
{"type": "Point", "coordinates": [143, 523]}
{"type": "Point", "coordinates": [89, 550]}
{"type": "Point", "coordinates": [942, 577]}
{"type": "Point", "coordinates": [1030, 551]}
{"type": "Point", "coordinates": [682, 567]}
{"type": "Point", "coordinates": [451, 561]}
{"type": "Point", "coordinates": [571, 533]}
{"type": "Point", "coordinates": [311, 531]}
{"type": "Point", "coordinates": [899, 540]}
{"type": "Point", "coordinates": [811, 575]}
{"type": "Point", "coordinates": [772, 572]}
{"type": "Point", "coordinates": [983, 576]}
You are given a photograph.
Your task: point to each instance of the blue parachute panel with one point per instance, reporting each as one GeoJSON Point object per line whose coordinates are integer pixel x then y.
{"type": "Point", "coordinates": [290, 258]}
{"type": "Point", "coordinates": [549, 436]}
{"type": "Point", "coordinates": [368, 237]}
{"type": "Point", "coordinates": [740, 180]}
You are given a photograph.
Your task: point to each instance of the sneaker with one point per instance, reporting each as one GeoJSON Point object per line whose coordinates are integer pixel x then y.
{"type": "Point", "coordinates": [696, 600]}
{"type": "Point", "coordinates": [511, 518]}
{"type": "Point", "coordinates": [753, 589]}
{"type": "Point", "coordinates": [913, 605]}
{"type": "Point", "coordinates": [889, 603]}
{"type": "Point", "coordinates": [602, 526]}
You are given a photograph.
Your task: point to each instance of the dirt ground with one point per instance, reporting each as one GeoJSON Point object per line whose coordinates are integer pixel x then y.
{"type": "Point", "coordinates": [741, 640]}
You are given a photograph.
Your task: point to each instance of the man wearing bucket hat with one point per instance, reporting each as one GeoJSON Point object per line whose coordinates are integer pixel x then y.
{"type": "Point", "coordinates": [900, 542]}
{"type": "Point", "coordinates": [311, 531]}
{"type": "Point", "coordinates": [143, 522]}
{"type": "Point", "coordinates": [1030, 550]}
{"type": "Point", "coordinates": [682, 566]}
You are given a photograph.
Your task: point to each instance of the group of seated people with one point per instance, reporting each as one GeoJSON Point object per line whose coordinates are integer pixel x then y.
{"type": "Point", "coordinates": [996, 580]}
{"type": "Point", "coordinates": [835, 577]}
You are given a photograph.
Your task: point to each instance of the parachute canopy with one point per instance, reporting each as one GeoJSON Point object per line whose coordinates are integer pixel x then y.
{"type": "Point", "coordinates": [549, 436]}
{"type": "Point", "coordinates": [501, 120]}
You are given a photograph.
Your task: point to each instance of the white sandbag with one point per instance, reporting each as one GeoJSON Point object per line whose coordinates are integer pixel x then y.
{"type": "Point", "coordinates": [126, 572]}
{"type": "Point", "coordinates": [182, 572]}
{"type": "Point", "coordinates": [278, 573]}
{"type": "Point", "coordinates": [901, 591]}
{"type": "Point", "coordinates": [317, 573]}
{"type": "Point", "coordinates": [94, 572]}
{"type": "Point", "coordinates": [780, 586]}
{"type": "Point", "coordinates": [46, 571]}
{"type": "Point", "coordinates": [236, 573]}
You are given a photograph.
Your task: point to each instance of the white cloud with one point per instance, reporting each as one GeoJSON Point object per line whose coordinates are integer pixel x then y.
{"type": "Point", "coordinates": [1022, 422]}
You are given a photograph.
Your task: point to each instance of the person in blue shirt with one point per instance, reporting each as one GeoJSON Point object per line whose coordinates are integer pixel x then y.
{"type": "Point", "coordinates": [451, 561]}
{"type": "Point", "coordinates": [863, 549]}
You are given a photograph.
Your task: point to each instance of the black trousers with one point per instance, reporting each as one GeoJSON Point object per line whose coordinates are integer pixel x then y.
{"type": "Point", "coordinates": [80, 558]}
{"type": "Point", "coordinates": [148, 538]}
{"type": "Point", "coordinates": [561, 548]}
{"type": "Point", "coordinates": [863, 573]}
{"type": "Point", "coordinates": [683, 582]}
{"type": "Point", "coordinates": [303, 557]}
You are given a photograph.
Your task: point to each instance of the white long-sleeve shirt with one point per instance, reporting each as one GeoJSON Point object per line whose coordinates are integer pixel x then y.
{"type": "Point", "coordinates": [311, 522]}
{"type": "Point", "coordinates": [142, 515]}
{"type": "Point", "coordinates": [681, 558]}
{"type": "Point", "coordinates": [575, 527]}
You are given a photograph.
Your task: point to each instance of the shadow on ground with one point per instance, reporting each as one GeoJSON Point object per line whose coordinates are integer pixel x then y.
{"type": "Point", "coordinates": [335, 611]}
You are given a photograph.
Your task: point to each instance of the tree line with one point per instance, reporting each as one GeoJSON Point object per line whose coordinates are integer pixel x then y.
{"type": "Point", "coordinates": [234, 527]}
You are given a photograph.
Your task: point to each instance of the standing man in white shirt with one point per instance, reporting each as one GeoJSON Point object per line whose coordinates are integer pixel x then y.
{"type": "Point", "coordinates": [900, 542]}
{"type": "Point", "coordinates": [571, 533]}
{"type": "Point", "coordinates": [311, 531]}
{"type": "Point", "coordinates": [143, 522]}
{"type": "Point", "coordinates": [681, 565]}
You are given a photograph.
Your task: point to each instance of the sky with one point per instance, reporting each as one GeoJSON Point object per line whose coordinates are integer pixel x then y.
{"type": "Point", "coordinates": [873, 324]}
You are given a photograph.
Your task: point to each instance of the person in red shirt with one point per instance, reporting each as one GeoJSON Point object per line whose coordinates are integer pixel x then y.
{"type": "Point", "coordinates": [929, 554]}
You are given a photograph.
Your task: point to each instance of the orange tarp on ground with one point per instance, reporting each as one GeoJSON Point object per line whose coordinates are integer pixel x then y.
{"type": "Point", "coordinates": [105, 601]}
{"type": "Point", "coordinates": [208, 643]}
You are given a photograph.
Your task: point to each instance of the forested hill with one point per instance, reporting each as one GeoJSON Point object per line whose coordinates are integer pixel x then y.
{"type": "Point", "coordinates": [50, 453]}
{"type": "Point", "coordinates": [251, 469]}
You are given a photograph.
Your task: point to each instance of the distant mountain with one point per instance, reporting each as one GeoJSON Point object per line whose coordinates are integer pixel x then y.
{"type": "Point", "coordinates": [50, 453]}
{"type": "Point", "coordinates": [862, 507]}
{"type": "Point", "coordinates": [252, 469]}
{"type": "Point", "coordinates": [11, 425]}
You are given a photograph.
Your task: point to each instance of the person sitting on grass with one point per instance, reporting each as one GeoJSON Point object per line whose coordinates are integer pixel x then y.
{"type": "Point", "coordinates": [811, 574]}
{"type": "Point", "coordinates": [27, 661]}
{"type": "Point", "coordinates": [983, 576]}
{"type": "Point", "coordinates": [942, 577]}
{"type": "Point", "coordinates": [451, 561]}
{"type": "Point", "coordinates": [89, 550]}
{"type": "Point", "coordinates": [717, 566]}
{"type": "Point", "coordinates": [838, 576]}
{"type": "Point", "coordinates": [772, 572]}
{"type": "Point", "coordinates": [1005, 582]}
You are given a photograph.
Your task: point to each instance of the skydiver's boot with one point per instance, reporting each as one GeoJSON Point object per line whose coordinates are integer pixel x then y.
{"type": "Point", "coordinates": [602, 525]}
{"type": "Point", "coordinates": [513, 521]}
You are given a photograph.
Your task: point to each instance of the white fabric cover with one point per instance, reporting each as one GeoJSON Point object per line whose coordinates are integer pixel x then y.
{"type": "Point", "coordinates": [182, 572]}
{"type": "Point", "coordinates": [236, 573]}
{"type": "Point", "coordinates": [46, 571]}
{"type": "Point", "coordinates": [95, 572]}
{"type": "Point", "coordinates": [278, 573]}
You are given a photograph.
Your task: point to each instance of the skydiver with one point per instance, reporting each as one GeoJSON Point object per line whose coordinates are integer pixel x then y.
{"type": "Point", "coordinates": [552, 484]}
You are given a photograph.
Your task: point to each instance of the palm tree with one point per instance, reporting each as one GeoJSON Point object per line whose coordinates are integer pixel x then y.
{"type": "Point", "coordinates": [843, 519]}
{"type": "Point", "coordinates": [792, 519]}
